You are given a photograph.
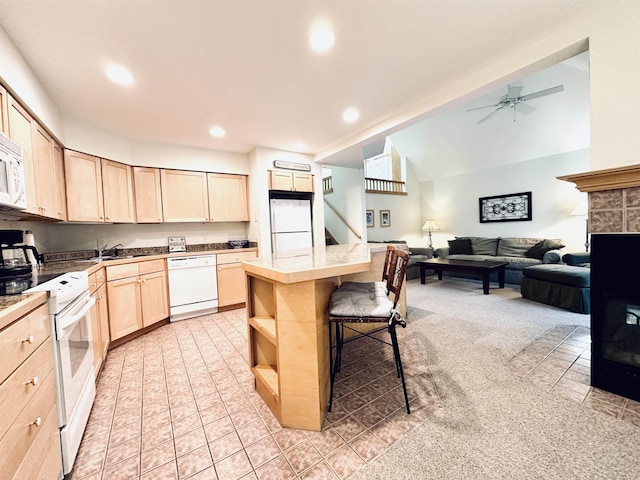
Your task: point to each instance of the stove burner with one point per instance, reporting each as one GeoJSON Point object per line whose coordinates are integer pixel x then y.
{"type": "Point", "coordinates": [16, 285]}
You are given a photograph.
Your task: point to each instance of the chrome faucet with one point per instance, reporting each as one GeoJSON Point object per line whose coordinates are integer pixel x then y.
{"type": "Point", "coordinates": [104, 248]}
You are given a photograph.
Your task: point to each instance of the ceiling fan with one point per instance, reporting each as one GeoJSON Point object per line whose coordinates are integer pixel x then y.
{"type": "Point", "coordinates": [515, 101]}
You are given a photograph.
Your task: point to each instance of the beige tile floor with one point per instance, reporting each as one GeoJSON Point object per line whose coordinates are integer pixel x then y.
{"type": "Point", "coordinates": [560, 362]}
{"type": "Point", "coordinates": [179, 402]}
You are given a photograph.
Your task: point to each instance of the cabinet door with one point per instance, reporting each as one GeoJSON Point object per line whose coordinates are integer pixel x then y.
{"type": "Point", "coordinates": [154, 297]}
{"type": "Point", "coordinates": [44, 172]}
{"type": "Point", "coordinates": [228, 200]}
{"type": "Point", "coordinates": [123, 298]}
{"type": "Point", "coordinates": [59, 190]}
{"type": "Point", "coordinates": [231, 285]}
{"type": "Point", "coordinates": [184, 196]}
{"type": "Point", "coordinates": [117, 190]}
{"type": "Point", "coordinates": [148, 196]}
{"type": "Point", "coordinates": [96, 333]}
{"type": "Point", "coordinates": [103, 313]}
{"type": "Point", "coordinates": [83, 180]}
{"type": "Point", "coordinates": [21, 127]}
{"type": "Point", "coordinates": [302, 182]}
{"type": "Point", "coordinates": [280, 181]}
{"type": "Point", "coordinates": [4, 112]}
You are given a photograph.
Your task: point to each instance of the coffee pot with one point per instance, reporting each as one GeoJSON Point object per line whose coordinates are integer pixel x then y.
{"type": "Point", "coordinates": [15, 261]}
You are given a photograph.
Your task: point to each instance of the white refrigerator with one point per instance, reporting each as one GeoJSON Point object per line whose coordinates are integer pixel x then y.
{"type": "Point", "coordinates": [290, 224]}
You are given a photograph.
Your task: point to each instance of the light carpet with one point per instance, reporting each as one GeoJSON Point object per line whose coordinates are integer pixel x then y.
{"type": "Point", "coordinates": [490, 425]}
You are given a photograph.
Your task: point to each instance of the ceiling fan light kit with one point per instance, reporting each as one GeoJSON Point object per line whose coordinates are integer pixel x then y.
{"type": "Point", "coordinates": [515, 101]}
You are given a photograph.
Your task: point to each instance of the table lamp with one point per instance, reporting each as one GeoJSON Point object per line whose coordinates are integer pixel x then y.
{"type": "Point", "coordinates": [430, 226]}
{"type": "Point", "coordinates": [582, 210]}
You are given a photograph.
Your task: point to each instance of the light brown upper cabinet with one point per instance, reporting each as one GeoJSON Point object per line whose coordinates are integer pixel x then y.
{"type": "Point", "coordinates": [4, 113]}
{"type": "Point", "coordinates": [48, 166]}
{"type": "Point", "coordinates": [290, 181]}
{"type": "Point", "coordinates": [21, 128]}
{"type": "Point", "coordinates": [148, 194]}
{"type": "Point", "coordinates": [83, 178]}
{"type": "Point", "coordinates": [228, 201]}
{"type": "Point", "coordinates": [117, 192]}
{"type": "Point", "coordinates": [184, 196]}
{"type": "Point", "coordinates": [98, 190]}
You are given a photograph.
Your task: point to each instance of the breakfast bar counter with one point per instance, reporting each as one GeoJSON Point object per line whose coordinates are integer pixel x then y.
{"type": "Point", "coordinates": [287, 298]}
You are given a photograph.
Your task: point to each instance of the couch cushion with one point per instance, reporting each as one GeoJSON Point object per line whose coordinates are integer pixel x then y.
{"type": "Point", "coordinates": [578, 259]}
{"type": "Point", "coordinates": [482, 245]}
{"type": "Point", "coordinates": [542, 247]}
{"type": "Point", "coordinates": [460, 246]}
{"type": "Point", "coordinates": [563, 274]}
{"type": "Point", "coordinates": [515, 246]}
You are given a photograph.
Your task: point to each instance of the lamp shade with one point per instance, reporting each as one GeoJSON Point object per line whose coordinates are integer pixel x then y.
{"type": "Point", "coordinates": [430, 225]}
{"type": "Point", "coordinates": [582, 209]}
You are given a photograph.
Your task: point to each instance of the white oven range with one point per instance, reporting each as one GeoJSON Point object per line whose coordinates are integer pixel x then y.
{"type": "Point", "coordinates": [69, 312]}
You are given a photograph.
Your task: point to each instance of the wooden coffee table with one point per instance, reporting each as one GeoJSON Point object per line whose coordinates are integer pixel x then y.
{"type": "Point", "coordinates": [482, 268]}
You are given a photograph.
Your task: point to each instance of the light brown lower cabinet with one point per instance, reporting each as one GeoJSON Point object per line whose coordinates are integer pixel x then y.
{"type": "Point", "coordinates": [232, 288]}
{"type": "Point", "coordinates": [29, 435]}
{"type": "Point", "coordinates": [137, 296]}
{"type": "Point", "coordinates": [99, 319]}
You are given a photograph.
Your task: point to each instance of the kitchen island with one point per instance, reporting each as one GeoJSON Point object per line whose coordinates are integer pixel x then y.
{"type": "Point", "coordinates": [287, 298]}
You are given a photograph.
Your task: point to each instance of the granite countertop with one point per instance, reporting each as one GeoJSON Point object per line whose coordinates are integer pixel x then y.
{"type": "Point", "coordinates": [313, 263]}
{"type": "Point", "coordinates": [10, 304]}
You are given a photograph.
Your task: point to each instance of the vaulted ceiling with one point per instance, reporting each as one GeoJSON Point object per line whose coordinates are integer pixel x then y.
{"type": "Point", "coordinates": [246, 65]}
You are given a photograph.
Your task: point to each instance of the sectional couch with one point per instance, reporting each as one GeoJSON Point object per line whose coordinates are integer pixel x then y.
{"type": "Point", "coordinates": [519, 252]}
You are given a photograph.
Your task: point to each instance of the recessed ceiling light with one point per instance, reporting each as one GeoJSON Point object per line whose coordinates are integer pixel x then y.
{"type": "Point", "coordinates": [350, 115]}
{"type": "Point", "coordinates": [299, 146]}
{"type": "Point", "coordinates": [120, 75]}
{"type": "Point", "coordinates": [217, 132]}
{"type": "Point", "coordinates": [321, 38]}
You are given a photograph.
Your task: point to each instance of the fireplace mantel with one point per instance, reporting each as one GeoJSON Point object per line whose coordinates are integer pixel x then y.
{"type": "Point", "coordinates": [608, 179]}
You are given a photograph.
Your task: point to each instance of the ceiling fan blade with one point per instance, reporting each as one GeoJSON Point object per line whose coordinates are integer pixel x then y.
{"type": "Point", "coordinates": [485, 106]}
{"type": "Point", "coordinates": [524, 108]}
{"type": "Point", "coordinates": [542, 93]}
{"type": "Point", "coordinates": [484, 119]}
{"type": "Point", "coordinates": [514, 91]}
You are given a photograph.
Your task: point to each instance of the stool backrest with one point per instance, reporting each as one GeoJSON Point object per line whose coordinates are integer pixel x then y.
{"type": "Point", "coordinates": [397, 272]}
{"type": "Point", "coordinates": [387, 262]}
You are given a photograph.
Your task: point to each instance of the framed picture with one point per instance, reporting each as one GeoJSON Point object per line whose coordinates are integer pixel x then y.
{"type": "Point", "coordinates": [385, 218]}
{"type": "Point", "coordinates": [369, 216]}
{"type": "Point", "coordinates": [512, 207]}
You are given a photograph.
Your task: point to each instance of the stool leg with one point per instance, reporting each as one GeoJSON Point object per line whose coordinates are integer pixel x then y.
{"type": "Point", "coordinates": [396, 354]}
{"type": "Point", "coordinates": [334, 365]}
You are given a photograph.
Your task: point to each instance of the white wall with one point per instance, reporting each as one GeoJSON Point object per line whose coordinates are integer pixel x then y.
{"type": "Point", "coordinates": [348, 198]}
{"type": "Point", "coordinates": [405, 213]}
{"type": "Point", "coordinates": [261, 161]}
{"type": "Point", "coordinates": [454, 201]}
{"type": "Point", "coordinates": [17, 75]}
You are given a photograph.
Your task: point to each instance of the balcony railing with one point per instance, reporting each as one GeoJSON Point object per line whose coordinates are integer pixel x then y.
{"type": "Point", "coordinates": [389, 187]}
{"type": "Point", "coordinates": [327, 185]}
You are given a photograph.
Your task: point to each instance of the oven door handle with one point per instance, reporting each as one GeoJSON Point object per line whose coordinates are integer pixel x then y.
{"type": "Point", "coordinates": [72, 318]}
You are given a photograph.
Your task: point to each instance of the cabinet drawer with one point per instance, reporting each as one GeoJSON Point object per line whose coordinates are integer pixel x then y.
{"type": "Point", "coordinates": [27, 426]}
{"type": "Point", "coordinates": [43, 459]}
{"type": "Point", "coordinates": [234, 257]}
{"type": "Point", "coordinates": [122, 271]}
{"type": "Point", "coordinates": [95, 282]}
{"type": "Point", "coordinates": [25, 382]}
{"type": "Point", "coordinates": [22, 338]}
{"type": "Point", "coordinates": [151, 266]}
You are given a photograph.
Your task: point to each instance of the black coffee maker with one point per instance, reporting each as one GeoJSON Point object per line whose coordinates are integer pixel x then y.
{"type": "Point", "coordinates": [14, 259]}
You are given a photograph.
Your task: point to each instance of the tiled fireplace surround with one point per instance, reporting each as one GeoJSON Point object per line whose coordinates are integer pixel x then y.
{"type": "Point", "coordinates": [614, 198]}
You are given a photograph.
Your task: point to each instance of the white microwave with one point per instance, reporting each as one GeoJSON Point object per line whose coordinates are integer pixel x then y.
{"type": "Point", "coordinates": [12, 191]}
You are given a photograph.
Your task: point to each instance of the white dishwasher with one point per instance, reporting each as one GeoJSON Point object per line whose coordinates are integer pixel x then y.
{"type": "Point", "coordinates": [193, 286]}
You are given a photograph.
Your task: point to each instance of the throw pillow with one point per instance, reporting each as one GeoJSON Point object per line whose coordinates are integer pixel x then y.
{"type": "Point", "coordinates": [460, 246]}
{"type": "Point", "coordinates": [542, 247]}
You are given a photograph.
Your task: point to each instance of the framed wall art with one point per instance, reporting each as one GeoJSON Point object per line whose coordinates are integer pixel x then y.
{"type": "Point", "coordinates": [512, 207]}
{"type": "Point", "coordinates": [369, 218]}
{"type": "Point", "coordinates": [385, 218]}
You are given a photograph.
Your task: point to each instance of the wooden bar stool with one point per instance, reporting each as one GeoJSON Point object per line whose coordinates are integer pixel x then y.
{"type": "Point", "coordinates": [369, 302]}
